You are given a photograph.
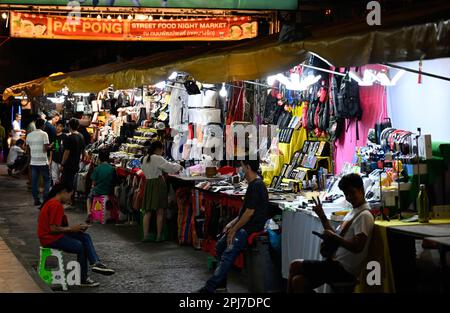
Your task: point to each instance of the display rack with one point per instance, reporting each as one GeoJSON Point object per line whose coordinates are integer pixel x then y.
{"type": "Point", "coordinates": [305, 163]}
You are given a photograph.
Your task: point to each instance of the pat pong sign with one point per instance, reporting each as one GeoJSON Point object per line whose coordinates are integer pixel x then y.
{"type": "Point", "coordinates": [205, 29]}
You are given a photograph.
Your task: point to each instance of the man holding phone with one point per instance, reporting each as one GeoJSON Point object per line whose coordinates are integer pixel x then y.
{"type": "Point", "coordinates": [348, 244]}
{"type": "Point", "coordinates": [251, 219]}
{"type": "Point", "coordinates": [54, 232]}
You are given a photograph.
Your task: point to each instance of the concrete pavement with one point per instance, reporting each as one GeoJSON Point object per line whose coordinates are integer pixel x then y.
{"type": "Point", "coordinates": [140, 267]}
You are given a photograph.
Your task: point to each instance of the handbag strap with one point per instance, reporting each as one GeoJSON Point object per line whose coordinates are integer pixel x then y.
{"type": "Point", "coordinates": [347, 225]}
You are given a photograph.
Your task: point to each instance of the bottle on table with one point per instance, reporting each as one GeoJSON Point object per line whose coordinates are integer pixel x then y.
{"type": "Point", "coordinates": [423, 204]}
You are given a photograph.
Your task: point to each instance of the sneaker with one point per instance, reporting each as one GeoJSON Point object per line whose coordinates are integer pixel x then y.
{"type": "Point", "coordinates": [37, 202]}
{"type": "Point", "coordinates": [100, 268]}
{"type": "Point", "coordinates": [89, 283]}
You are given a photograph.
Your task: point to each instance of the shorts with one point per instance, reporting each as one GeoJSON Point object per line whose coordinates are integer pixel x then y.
{"type": "Point", "coordinates": [92, 194]}
{"type": "Point", "coordinates": [325, 272]}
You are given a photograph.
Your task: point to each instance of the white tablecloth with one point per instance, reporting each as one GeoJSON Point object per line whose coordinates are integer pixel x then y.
{"type": "Point", "coordinates": [297, 239]}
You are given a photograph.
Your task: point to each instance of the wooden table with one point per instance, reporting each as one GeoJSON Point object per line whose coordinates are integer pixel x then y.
{"type": "Point", "coordinates": [423, 231]}
{"type": "Point", "coordinates": [403, 251]}
{"type": "Point", "coordinates": [444, 248]}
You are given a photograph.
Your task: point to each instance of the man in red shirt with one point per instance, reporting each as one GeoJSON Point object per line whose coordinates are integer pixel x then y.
{"type": "Point", "coordinates": [54, 232]}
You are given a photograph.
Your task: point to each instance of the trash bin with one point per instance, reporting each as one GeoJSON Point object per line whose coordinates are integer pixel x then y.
{"type": "Point", "coordinates": [263, 270]}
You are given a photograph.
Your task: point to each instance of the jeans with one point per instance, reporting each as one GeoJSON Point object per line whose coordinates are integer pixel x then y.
{"type": "Point", "coordinates": [37, 171]}
{"type": "Point", "coordinates": [81, 244]}
{"type": "Point", "coordinates": [68, 175]}
{"type": "Point", "coordinates": [55, 170]}
{"type": "Point", "coordinates": [226, 257]}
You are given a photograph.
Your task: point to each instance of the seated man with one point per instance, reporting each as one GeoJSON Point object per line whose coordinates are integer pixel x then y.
{"type": "Point", "coordinates": [16, 157]}
{"type": "Point", "coordinates": [352, 239]}
{"type": "Point", "coordinates": [54, 232]}
{"type": "Point", "coordinates": [251, 218]}
{"type": "Point", "coordinates": [103, 179]}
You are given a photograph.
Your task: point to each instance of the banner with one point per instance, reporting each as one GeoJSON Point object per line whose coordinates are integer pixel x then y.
{"type": "Point", "coordinates": [194, 4]}
{"type": "Point", "coordinates": [25, 25]}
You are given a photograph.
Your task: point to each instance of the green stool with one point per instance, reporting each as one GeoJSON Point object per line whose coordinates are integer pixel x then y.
{"type": "Point", "coordinates": [52, 277]}
{"type": "Point", "coordinates": [212, 263]}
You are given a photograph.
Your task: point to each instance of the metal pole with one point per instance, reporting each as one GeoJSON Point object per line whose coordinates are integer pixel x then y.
{"type": "Point", "coordinates": [322, 69]}
{"type": "Point", "coordinates": [416, 72]}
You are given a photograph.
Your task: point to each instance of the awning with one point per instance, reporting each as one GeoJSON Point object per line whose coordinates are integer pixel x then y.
{"type": "Point", "coordinates": [344, 45]}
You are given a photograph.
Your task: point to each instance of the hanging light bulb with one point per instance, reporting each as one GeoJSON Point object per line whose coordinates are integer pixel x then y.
{"type": "Point", "coordinates": [119, 17]}
{"type": "Point", "coordinates": [150, 18]}
{"type": "Point", "coordinates": [271, 80]}
{"type": "Point", "coordinates": [161, 85]}
{"type": "Point", "coordinates": [161, 18]}
{"type": "Point", "coordinates": [99, 17]}
{"type": "Point", "coordinates": [397, 77]}
{"type": "Point", "coordinates": [130, 17]}
{"type": "Point", "coordinates": [108, 17]}
{"type": "Point", "coordinates": [4, 15]}
{"type": "Point", "coordinates": [223, 92]}
{"type": "Point", "coordinates": [173, 76]}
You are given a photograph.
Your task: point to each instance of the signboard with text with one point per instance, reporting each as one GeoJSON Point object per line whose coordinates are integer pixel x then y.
{"type": "Point", "coordinates": [194, 4]}
{"type": "Point", "coordinates": [60, 27]}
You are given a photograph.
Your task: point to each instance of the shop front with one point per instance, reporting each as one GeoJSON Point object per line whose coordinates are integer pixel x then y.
{"type": "Point", "coordinates": [309, 118]}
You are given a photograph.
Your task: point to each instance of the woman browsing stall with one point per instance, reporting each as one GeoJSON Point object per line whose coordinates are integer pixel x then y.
{"type": "Point", "coordinates": [155, 198]}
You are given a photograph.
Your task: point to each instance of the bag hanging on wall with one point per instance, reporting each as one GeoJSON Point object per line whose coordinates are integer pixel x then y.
{"type": "Point", "coordinates": [348, 104]}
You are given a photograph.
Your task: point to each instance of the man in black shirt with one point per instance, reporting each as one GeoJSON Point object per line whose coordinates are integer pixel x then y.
{"type": "Point", "coordinates": [73, 149]}
{"type": "Point", "coordinates": [251, 218]}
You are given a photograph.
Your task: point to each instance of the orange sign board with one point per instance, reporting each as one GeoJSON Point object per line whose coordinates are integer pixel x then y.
{"type": "Point", "coordinates": [81, 28]}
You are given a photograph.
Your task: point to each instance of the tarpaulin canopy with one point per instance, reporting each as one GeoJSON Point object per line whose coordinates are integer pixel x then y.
{"type": "Point", "coordinates": [344, 45]}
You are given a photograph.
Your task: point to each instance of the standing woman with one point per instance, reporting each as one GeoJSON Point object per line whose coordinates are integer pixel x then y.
{"type": "Point", "coordinates": [155, 198]}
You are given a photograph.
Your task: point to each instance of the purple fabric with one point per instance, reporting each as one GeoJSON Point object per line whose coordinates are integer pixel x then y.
{"type": "Point", "coordinates": [374, 106]}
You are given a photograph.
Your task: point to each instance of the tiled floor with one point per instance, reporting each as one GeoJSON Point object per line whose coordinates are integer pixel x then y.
{"type": "Point", "coordinates": [13, 276]}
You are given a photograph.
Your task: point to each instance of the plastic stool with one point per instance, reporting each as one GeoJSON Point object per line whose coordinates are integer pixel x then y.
{"type": "Point", "coordinates": [52, 277]}
{"type": "Point", "coordinates": [99, 208]}
{"type": "Point", "coordinates": [212, 263]}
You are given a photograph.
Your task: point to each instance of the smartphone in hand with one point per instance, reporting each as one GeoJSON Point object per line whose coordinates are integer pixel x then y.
{"type": "Point", "coordinates": [318, 234]}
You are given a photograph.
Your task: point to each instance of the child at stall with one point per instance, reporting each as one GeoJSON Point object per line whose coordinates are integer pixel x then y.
{"type": "Point", "coordinates": [103, 179]}
{"type": "Point", "coordinates": [16, 157]}
{"type": "Point", "coordinates": [155, 197]}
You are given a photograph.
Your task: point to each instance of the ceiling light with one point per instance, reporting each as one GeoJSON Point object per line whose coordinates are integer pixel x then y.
{"type": "Point", "coordinates": [161, 85]}
{"type": "Point", "coordinates": [99, 17]}
{"type": "Point", "coordinates": [4, 15]}
{"type": "Point", "coordinates": [173, 76]}
{"type": "Point", "coordinates": [150, 18]}
{"type": "Point", "coordinates": [119, 17]}
{"type": "Point", "coordinates": [130, 17]}
{"type": "Point", "coordinates": [108, 17]}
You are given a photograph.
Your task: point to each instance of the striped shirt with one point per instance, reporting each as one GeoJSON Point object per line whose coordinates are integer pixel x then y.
{"type": "Point", "coordinates": [36, 140]}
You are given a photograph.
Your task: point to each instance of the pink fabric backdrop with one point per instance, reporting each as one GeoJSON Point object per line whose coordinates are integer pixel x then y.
{"type": "Point", "coordinates": [374, 106]}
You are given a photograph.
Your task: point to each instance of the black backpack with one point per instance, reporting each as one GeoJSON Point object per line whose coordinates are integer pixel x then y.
{"type": "Point", "coordinates": [347, 101]}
